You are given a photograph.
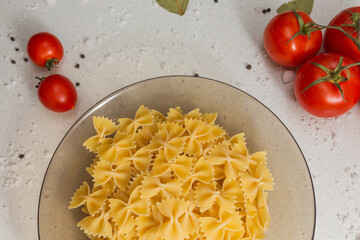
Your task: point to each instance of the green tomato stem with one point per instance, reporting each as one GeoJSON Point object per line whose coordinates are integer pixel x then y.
{"type": "Point", "coordinates": [333, 76]}
{"type": "Point", "coordinates": [49, 64]}
{"type": "Point", "coordinates": [40, 80]}
{"type": "Point", "coordinates": [305, 28]}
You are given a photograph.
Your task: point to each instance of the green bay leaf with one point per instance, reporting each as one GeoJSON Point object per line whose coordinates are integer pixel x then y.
{"type": "Point", "coordinates": [174, 6]}
{"type": "Point", "coordinates": [299, 5]}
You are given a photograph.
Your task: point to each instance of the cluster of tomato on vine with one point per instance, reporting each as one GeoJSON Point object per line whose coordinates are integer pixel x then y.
{"type": "Point", "coordinates": [326, 84]}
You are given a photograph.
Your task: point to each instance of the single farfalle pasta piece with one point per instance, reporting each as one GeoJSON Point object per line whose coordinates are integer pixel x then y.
{"type": "Point", "coordinates": [196, 129]}
{"type": "Point", "coordinates": [261, 179]}
{"type": "Point", "coordinates": [228, 226]}
{"type": "Point", "coordinates": [103, 127]}
{"type": "Point", "coordinates": [233, 158]}
{"type": "Point", "coordinates": [93, 200]}
{"type": "Point", "coordinates": [141, 159]}
{"type": "Point", "coordinates": [120, 210]}
{"type": "Point", "coordinates": [98, 225]}
{"type": "Point", "coordinates": [121, 146]}
{"type": "Point", "coordinates": [143, 117]}
{"type": "Point", "coordinates": [172, 209]}
{"type": "Point", "coordinates": [202, 172]}
{"type": "Point", "coordinates": [152, 186]}
{"type": "Point", "coordinates": [172, 146]}
{"type": "Point", "coordinates": [104, 172]}
{"type": "Point", "coordinates": [181, 166]}
{"type": "Point", "coordinates": [175, 176]}
{"type": "Point", "coordinates": [208, 194]}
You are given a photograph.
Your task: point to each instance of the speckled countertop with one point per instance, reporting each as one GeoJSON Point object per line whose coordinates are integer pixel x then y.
{"type": "Point", "coordinates": [128, 41]}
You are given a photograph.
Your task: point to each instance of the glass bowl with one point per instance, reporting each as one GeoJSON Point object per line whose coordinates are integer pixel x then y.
{"type": "Point", "coordinates": [291, 204]}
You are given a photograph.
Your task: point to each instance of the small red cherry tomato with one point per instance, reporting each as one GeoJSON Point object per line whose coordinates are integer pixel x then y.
{"type": "Point", "coordinates": [45, 50]}
{"type": "Point", "coordinates": [291, 38]}
{"type": "Point", "coordinates": [57, 93]}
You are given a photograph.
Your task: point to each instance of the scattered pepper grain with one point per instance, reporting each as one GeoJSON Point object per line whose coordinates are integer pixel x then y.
{"type": "Point", "coordinates": [77, 65]}
{"type": "Point", "coordinates": [82, 56]}
{"type": "Point", "coordinates": [13, 61]}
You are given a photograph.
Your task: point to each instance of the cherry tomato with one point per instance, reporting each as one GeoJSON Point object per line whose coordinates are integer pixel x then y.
{"type": "Point", "coordinates": [336, 41]}
{"type": "Point", "coordinates": [45, 50]}
{"type": "Point", "coordinates": [323, 98]}
{"type": "Point", "coordinates": [57, 93]}
{"type": "Point", "coordinates": [285, 49]}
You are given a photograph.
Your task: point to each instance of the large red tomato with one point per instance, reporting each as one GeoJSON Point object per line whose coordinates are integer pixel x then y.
{"type": "Point", "coordinates": [45, 50]}
{"type": "Point", "coordinates": [291, 52]}
{"type": "Point", "coordinates": [324, 98]}
{"type": "Point", "coordinates": [336, 41]}
{"type": "Point", "coordinates": [57, 93]}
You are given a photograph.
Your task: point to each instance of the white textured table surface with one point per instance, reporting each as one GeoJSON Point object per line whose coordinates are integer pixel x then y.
{"type": "Point", "coordinates": [128, 41]}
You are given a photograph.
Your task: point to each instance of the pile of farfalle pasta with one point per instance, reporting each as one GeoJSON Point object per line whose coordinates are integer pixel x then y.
{"type": "Point", "coordinates": [172, 177]}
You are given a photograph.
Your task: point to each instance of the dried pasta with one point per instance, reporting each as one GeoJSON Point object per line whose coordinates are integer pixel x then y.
{"type": "Point", "coordinates": [175, 176]}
